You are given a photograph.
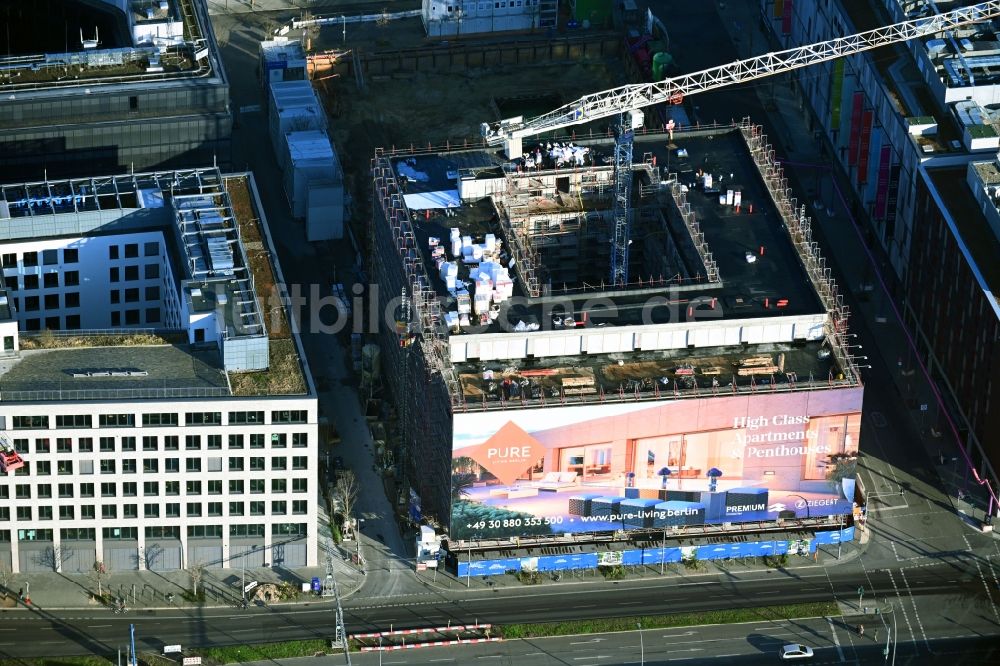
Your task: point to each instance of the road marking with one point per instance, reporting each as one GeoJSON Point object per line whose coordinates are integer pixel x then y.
{"type": "Point", "coordinates": [592, 640]}
{"type": "Point", "coordinates": [836, 639]}
{"type": "Point", "coordinates": [920, 624]}
{"type": "Point", "coordinates": [434, 660]}
{"type": "Point", "coordinates": [630, 603]}
{"type": "Point", "coordinates": [902, 607]}
{"type": "Point", "coordinates": [596, 656]}
{"type": "Point", "coordinates": [98, 626]}
{"type": "Point", "coordinates": [986, 585]}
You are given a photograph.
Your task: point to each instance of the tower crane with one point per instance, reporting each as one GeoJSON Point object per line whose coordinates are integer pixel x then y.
{"type": "Point", "coordinates": [626, 101]}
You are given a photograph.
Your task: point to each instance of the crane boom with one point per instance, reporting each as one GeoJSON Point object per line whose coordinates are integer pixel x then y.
{"type": "Point", "coordinates": [631, 97]}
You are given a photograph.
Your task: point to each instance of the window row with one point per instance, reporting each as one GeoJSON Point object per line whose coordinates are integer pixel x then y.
{"type": "Point", "coordinates": [154, 466]}
{"type": "Point", "coordinates": [23, 491]}
{"type": "Point", "coordinates": [156, 419]}
{"type": "Point", "coordinates": [126, 533]}
{"type": "Point", "coordinates": [45, 281]}
{"type": "Point", "coordinates": [131, 272]}
{"type": "Point", "coordinates": [170, 443]}
{"type": "Point", "coordinates": [70, 255]}
{"type": "Point", "coordinates": [169, 510]}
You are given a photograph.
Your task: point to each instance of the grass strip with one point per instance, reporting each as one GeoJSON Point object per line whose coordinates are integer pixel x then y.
{"type": "Point", "coordinates": [235, 654]}
{"type": "Point", "coordinates": [726, 616]}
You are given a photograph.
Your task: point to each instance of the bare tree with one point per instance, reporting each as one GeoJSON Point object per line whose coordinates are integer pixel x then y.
{"type": "Point", "coordinates": [345, 494]}
{"type": "Point", "coordinates": [6, 577]}
{"type": "Point", "coordinates": [197, 573]}
{"type": "Point", "coordinates": [99, 575]}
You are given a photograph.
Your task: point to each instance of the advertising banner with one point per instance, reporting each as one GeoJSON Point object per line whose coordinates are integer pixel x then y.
{"type": "Point", "coordinates": [854, 142]}
{"type": "Point", "coordinates": [836, 93]}
{"type": "Point", "coordinates": [867, 118]}
{"type": "Point", "coordinates": [654, 465]}
{"type": "Point", "coordinates": [882, 184]}
{"type": "Point", "coordinates": [786, 18]}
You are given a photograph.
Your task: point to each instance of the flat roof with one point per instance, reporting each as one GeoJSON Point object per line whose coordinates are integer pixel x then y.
{"type": "Point", "coordinates": [650, 375]}
{"type": "Point", "coordinates": [112, 373]}
{"type": "Point", "coordinates": [975, 234]}
{"type": "Point", "coordinates": [745, 290]}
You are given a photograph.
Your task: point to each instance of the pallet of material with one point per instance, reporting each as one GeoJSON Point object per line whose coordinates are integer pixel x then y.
{"type": "Point", "coordinates": [570, 382]}
{"type": "Point", "coordinates": [755, 361]}
{"type": "Point", "coordinates": [585, 390]}
{"type": "Point", "coordinates": [538, 373]}
{"type": "Point", "coordinates": [713, 370]}
{"type": "Point", "coordinates": [758, 370]}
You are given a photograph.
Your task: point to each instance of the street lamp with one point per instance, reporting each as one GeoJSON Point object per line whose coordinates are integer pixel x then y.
{"type": "Point", "coordinates": [642, 647]}
{"type": "Point", "coordinates": [713, 478]}
{"type": "Point", "coordinates": [664, 474]}
{"type": "Point", "coordinates": [804, 501]}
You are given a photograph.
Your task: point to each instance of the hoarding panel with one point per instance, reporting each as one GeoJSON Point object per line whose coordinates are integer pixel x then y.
{"type": "Point", "coordinates": [626, 466]}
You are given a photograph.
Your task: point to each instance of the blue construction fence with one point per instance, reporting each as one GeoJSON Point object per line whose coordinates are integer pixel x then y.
{"type": "Point", "coordinates": [654, 556]}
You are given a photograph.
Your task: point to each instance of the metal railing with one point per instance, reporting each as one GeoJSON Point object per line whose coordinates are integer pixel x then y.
{"type": "Point", "coordinates": [150, 393]}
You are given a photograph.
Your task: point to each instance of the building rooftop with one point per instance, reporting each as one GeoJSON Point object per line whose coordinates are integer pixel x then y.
{"type": "Point", "coordinates": [96, 373]}
{"type": "Point", "coordinates": [743, 263]}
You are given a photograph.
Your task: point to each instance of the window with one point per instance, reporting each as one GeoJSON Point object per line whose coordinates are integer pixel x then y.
{"type": "Point", "coordinates": [151, 249]}
{"type": "Point", "coordinates": [85, 444]}
{"type": "Point", "coordinates": [193, 465]}
{"type": "Point", "coordinates": [43, 468]}
{"type": "Point", "coordinates": [129, 466]}
{"type": "Point", "coordinates": [114, 275]}
{"type": "Point", "coordinates": [42, 445]}
{"type": "Point", "coordinates": [215, 509]}
{"type": "Point", "coordinates": [236, 441]}
{"type": "Point", "coordinates": [130, 489]}
{"type": "Point", "coordinates": [109, 511]}
{"type": "Point", "coordinates": [77, 533]}
{"type": "Point", "coordinates": [116, 318]}
{"type": "Point", "coordinates": [45, 513]}
{"type": "Point", "coordinates": [130, 510]}
{"type": "Point", "coordinates": [161, 419]}
{"type": "Point", "coordinates": [194, 509]}
{"type": "Point", "coordinates": [246, 530]}
{"type": "Point", "coordinates": [86, 490]}
{"type": "Point", "coordinates": [30, 423]}
{"type": "Point", "coordinates": [235, 509]}
{"type": "Point", "coordinates": [203, 418]}
{"type": "Point", "coordinates": [74, 421]}
{"type": "Point", "coordinates": [10, 260]}
{"type": "Point", "coordinates": [150, 443]}
{"type": "Point", "coordinates": [192, 442]}
{"type": "Point", "coordinates": [107, 466]}
{"type": "Point", "coordinates": [51, 303]}
{"type": "Point", "coordinates": [50, 281]}
{"type": "Point", "coordinates": [257, 441]}
{"type": "Point", "coordinates": [31, 282]}
{"type": "Point", "coordinates": [65, 490]}
{"type": "Point", "coordinates": [300, 440]}
{"type": "Point", "coordinates": [257, 508]}
{"type": "Point", "coordinates": [133, 103]}
{"type": "Point", "coordinates": [107, 444]}
{"type": "Point", "coordinates": [22, 491]}
{"type": "Point", "coordinates": [116, 420]}
{"type": "Point", "coordinates": [257, 464]}
{"type": "Point", "coordinates": [215, 487]}
{"type": "Point", "coordinates": [65, 467]}
{"type": "Point", "coordinates": [300, 507]}
{"type": "Point", "coordinates": [242, 418]}
{"type": "Point", "coordinates": [24, 513]}
{"type": "Point", "coordinates": [128, 443]}
{"type": "Point", "coordinates": [172, 487]}
{"type": "Point", "coordinates": [73, 322]}
{"type": "Point", "coordinates": [171, 443]}
{"type": "Point", "coordinates": [71, 278]}
{"type": "Point", "coordinates": [172, 465]}
{"type": "Point", "coordinates": [151, 488]}
{"type": "Point", "coordinates": [173, 509]}
{"type": "Point", "coordinates": [257, 486]}
{"type": "Point", "coordinates": [44, 490]}
{"type": "Point", "coordinates": [214, 442]}
{"type": "Point", "coordinates": [236, 486]}
{"type": "Point", "coordinates": [71, 255]}
{"type": "Point", "coordinates": [294, 416]}
{"type": "Point", "coordinates": [279, 440]}
{"type": "Point", "coordinates": [279, 485]}
{"type": "Point", "coordinates": [66, 513]}
{"type": "Point", "coordinates": [279, 462]}
{"type": "Point", "coordinates": [152, 271]}
{"type": "Point", "coordinates": [279, 507]}
{"type": "Point", "coordinates": [131, 250]}
{"type": "Point", "coordinates": [288, 529]}
{"type": "Point", "coordinates": [87, 512]}
{"type": "Point", "coordinates": [21, 445]}
{"type": "Point", "coordinates": [163, 531]}
{"type": "Point", "coordinates": [73, 299]}
{"type": "Point", "coordinates": [132, 295]}
{"type": "Point", "coordinates": [192, 488]}
{"type": "Point", "coordinates": [152, 315]}
{"type": "Point", "coordinates": [300, 462]}
{"type": "Point", "coordinates": [151, 511]}
{"type": "Point", "coordinates": [152, 293]}
{"type": "Point", "coordinates": [52, 323]}
{"type": "Point", "coordinates": [150, 465]}
{"type": "Point", "coordinates": [236, 464]}
{"type": "Point", "coordinates": [108, 489]}
{"type": "Point", "coordinates": [131, 317]}
{"type": "Point", "coordinates": [120, 533]}
{"type": "Point", "coordinates": [112, 252]}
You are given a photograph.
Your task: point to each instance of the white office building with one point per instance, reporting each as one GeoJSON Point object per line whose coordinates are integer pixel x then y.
{"type": "Point", "coordinates": [152, 418]}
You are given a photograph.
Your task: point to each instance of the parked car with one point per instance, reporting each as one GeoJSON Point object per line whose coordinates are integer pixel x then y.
{"type": "Point", "coordinates": [796, 651]}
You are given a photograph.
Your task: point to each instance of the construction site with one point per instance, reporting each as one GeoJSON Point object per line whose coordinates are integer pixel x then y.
{"type": "Point", "coordinates": [496, 278]}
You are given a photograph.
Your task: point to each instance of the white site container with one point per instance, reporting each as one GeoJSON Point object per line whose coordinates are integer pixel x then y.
{"type": "Point", "coordinates": [309, 158]}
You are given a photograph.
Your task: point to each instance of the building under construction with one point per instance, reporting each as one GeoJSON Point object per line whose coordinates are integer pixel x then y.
{"type": "Point", "coordinates": [108, 86]}
{"type": "Point", "coordinates": [714, 386]}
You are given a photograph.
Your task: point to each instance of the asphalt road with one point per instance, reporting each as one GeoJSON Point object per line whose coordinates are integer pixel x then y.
{"type": "Point", "coordinates": [958, 596]}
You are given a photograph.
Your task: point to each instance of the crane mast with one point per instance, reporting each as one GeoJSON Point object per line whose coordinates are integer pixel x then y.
{"type": "Point", "coordinates": [626, 101]}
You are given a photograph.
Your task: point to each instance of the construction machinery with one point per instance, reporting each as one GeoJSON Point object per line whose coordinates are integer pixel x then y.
{"type": "Point", "coordinates": [9, 458]}
{"type": "Point", "coordinates": [626, 102]}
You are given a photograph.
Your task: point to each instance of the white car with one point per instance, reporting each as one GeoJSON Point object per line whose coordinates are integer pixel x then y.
{"type": "Point", "coordinates": [795, 651]}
